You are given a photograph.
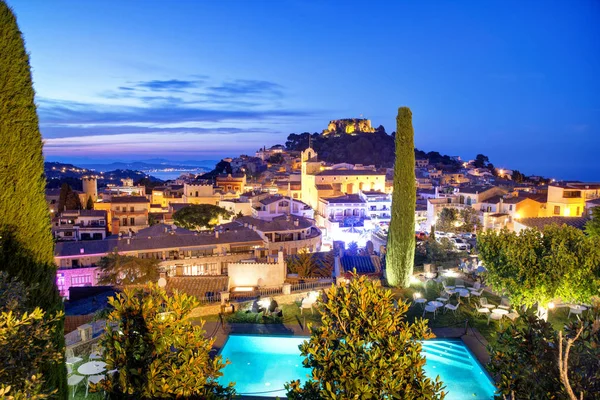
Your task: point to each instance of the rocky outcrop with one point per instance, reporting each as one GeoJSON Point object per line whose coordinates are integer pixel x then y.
{"type": "Point", "coordinates": [349, 126]}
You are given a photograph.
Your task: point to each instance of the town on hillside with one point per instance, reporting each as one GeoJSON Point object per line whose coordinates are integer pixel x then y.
{"type": "Point", "coordinates": [285, 200]}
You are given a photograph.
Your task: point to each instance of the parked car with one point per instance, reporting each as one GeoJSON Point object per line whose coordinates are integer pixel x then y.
{"type": "Point", "coordinates": [468, 236]}
{"type": "Point", "coordinates": [421, 235]}
{"type": "Point", "coordinates": [460, 244]}
{"type": "Point", "coordinates": [439, 234]}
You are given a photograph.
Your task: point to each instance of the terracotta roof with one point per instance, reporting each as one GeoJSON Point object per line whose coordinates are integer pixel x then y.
{"type": "Point", "coordinates": [542, 222]}
{"type": "Point", "coordinates": [129, 199]}
{"type": "Point", "coordinates": [200, 286]}
{"type": "Point", "coordinates": [84, 213]}
{"type": "Point", "coordinates": [474, 189]}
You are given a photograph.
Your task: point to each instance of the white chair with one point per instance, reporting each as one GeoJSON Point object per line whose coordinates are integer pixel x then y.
{"type": "Point", "coordinates": [477, 293]}
{"type": "Point", "coordinates": [504, 303]}
{"type": "Point", "coordinates": [430, 309]}
{"type": "Point", "coordinates": [459, 283]}
{"type": "Point", "coordinates": [307, 303]}
{"type": "Point", "coordinates": [485, 304]}
{"type": "Point", "coordinates": [513, 315]}
{"type": "Point", "coordinates": [443, 298]}
{"type": "Point", "coordinates": [96, 353]}
{"type": "Point", "coordinates": [73, 381]}
{"type": "Point", "coordinates": [451, 307]}
{"type": "Point", "coordinates": [93, 379]}
{"type": "Point", "coordinates": [418, 299]}
{"type": "Point", "coordinates": [483, 310]}
{"type": "Point", "coordinates": [70, 357]}
{"type": "Point", "coordinates": [476, 286]}
{"type": "Point", "coordinates": [495, 317]}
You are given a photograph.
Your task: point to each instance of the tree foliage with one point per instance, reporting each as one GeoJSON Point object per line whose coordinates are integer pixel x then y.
{"type": "Point", "coordinates": [117, 269]}
{"type": "Point", "coordinates": [481, 161]}
{"type": "Point", "coordinates": [27, 249]}
{"type": "Point", "coordinates": [468, 219]}
{"type": "Point", "coordinates": [592, 227]}
{"type": "Point", "coordinates": [26, 343]}
{"type": "Point", "coordinates": [401, 237]}
{"type": "Point", "coordinates": [447, 219]}
{"type": "Point", "coordinates": [538, 267]}
{"type": "Point", "coordinates": [89, 205]}
{"type": "Point", "coordinates": [200, 216]}
{"type": "Point", "coordinates": [305, 264]}
{"type": "Point", "coordinates": [525, 358]}
{"type": "Point", "coordinates": [440, 253]}
{"type": "Point", "coordinates": [365, 348]}
{"type": "Point", "coordinates": [276, 158]}
{"type": "Point", "coordinates": [68, 199]}
{"type": "Point", "coordinates": [156, 350]}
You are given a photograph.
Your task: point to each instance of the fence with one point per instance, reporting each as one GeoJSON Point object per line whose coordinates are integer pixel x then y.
{"type": "Point", "coordinates": [213, 298]}
{"type": "Point", "coordinates": [318, 284]}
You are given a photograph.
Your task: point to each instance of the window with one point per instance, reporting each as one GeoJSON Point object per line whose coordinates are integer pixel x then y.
{"type": "Point", "coordinates": [577, 213]}
{"type": "Point", "coordinates": [132, 221]}
{"type": "Point", "coordinates": [125, 221]}
{"type": "Point", "coordinates": [132, 209]}
{"type": "Point", "coordinates": [556, 210]}
{"type": "Point", "coordinates": [81, 280]}
{"type": "Point", "coordinates": [510, 207]}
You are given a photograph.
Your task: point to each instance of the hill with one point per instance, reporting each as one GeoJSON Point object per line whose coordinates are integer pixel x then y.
{"type": "Point", "coordinates": [377, 148]}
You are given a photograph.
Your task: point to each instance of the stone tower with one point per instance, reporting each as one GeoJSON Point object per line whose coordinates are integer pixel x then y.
{"type": "Point", "coordinates": [90, 187]}
{"type": "Point", "coordinates": [310, 167]}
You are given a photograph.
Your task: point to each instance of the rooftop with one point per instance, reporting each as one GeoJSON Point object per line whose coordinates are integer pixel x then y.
{"type": "Point", "coordinates": [362, 264]}
{"type": "Point", "coordinates": [161, 241]}
{"type": "Point", "coordinates": [474, 189]}
{"type": "Point", "coordinates": [278, 224]}
{"type": "Point", "coordinates": [349, 198]}
{"type": "Point", "coordinates": [199, 286]}
{"type": "Point", "coordinates": [84, 213]}
{"type": "Point", "coordinates": [350, 172]}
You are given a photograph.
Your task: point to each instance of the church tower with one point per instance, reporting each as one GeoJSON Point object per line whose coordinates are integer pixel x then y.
{"type": "Point", "coordinates": [310, 167]}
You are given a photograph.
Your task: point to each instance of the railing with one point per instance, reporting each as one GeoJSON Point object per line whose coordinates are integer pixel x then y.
{"type": "Point", "coordinates": [214, 298]}
{"type": "Point", "coordinates": [318, 284]}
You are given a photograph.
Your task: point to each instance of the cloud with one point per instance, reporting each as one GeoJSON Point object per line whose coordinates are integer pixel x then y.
{"type": "Point", "coordinates": [247, 87]}
{"type": "Point", "coordinates": [168, 85]}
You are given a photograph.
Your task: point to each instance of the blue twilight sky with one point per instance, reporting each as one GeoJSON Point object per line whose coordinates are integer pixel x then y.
{"type": "Point", "coordinates": [122, 80]}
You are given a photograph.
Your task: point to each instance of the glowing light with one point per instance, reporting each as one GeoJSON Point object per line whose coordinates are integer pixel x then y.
{"type": "Point", "coordinates": [551, 305]}
{"type": "Point", "coordinates": [567, 211]}
{"type": "Point", "coordinates": [418, 295]}
{"type": "Point", "coordinates": [414, 280]}
{"type": "Point", "coordinates": [517, 216]}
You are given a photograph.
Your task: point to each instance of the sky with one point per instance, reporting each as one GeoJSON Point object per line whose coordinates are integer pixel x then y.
{"type": "Point", "coordinates": [132, 80]}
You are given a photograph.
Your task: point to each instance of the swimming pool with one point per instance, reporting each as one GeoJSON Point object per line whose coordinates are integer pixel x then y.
{"type": "Point", "coordinates": [260, 365]}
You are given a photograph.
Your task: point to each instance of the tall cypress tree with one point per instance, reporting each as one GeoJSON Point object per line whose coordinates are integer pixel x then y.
{"type": "Point", "coordinates": [26, 246]}
{"type": "Point", "coordinates": [401, 237]}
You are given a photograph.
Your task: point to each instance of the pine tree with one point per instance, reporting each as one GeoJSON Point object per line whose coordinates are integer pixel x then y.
{"type": "Point", "coordinates": [401, 237]}
{"type": "Point", "coordinates": [68, 199]}
{"type": "Point", "coordinates": [26, 246]}
{"type": "Point", "coordinates": [90, 203]}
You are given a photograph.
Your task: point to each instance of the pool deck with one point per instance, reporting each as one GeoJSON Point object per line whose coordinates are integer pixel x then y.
{"type": "Point", "coordinates": [472, 339]}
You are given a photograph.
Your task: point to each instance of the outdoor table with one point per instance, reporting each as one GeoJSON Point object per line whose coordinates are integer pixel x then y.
{"type": "Point", "coordinates": [489, 306]}
{"type": "Point", "coordinates": [577, 307]}
{"type": "Point", "coordinates": [500, 311]}
{"type": "Point", "coordinates": [436, 304]}
{"type": "Point", "coordinates": [92, 368]}
{"type": "Point", "coordinates": [463, 293]}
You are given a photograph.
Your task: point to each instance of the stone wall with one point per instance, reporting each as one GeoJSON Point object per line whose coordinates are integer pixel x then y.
{"type": "Point", "coordinates": [257, 274]}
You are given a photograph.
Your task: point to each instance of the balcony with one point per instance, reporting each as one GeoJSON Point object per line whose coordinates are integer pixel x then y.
{"type": "Point", "coordinates": [128, 212]}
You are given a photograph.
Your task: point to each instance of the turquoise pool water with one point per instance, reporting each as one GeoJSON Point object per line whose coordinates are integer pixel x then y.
{"type": "Point", "coordinates": [260, 365]}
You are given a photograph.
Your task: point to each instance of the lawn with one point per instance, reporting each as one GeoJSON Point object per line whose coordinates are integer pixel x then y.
{"type": "Point", "coordinates": [467, 310]}
{"type": "Point", "coordinates": [80, 393]}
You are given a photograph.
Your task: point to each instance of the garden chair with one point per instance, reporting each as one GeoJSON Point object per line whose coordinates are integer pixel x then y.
{"type": "Point", "coordinates": [96, 353]}
{"type": "Point", "coordinates": [459, 283]}
{"type": "Point", "coordinates": [73, 380]}
{"type": "Point", "coordinates": [451, 307]}
{"type": "Point", "coordinates": [307, 303]}
{"type": "Point", "coordinates": [418, 299]}
{"type": "Point", "coordinates": [483, 310]}
{"type": "Point", "coordinates": [430, 309]}
{"type": "Point", "coordinates": [477, 293]}
{"type": "Point", "coordinates": [504, 303]}
{"type": "Point", "coordinates": [70, 357]}
{"type": "Point", "coordinates": [444, 297]}
{"type": "Point", "coordinates": [495, 317]}
{"type": "Point", "coordinates": [485, 303]}
{"type": "Point", "coordinates": [476, 286]}
{"type": "Point", "coordinates": [574, 311]}
{"type": "Point", "coordinates": [93, 379]}
{"type": "Point", "coordinates": [513, 315]}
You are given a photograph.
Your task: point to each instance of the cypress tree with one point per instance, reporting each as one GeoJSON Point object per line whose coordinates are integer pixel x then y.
{"type": "Point", "coordinates": [401, 237]}
{"type": "Point", "coordinates": [26, 246]}
{"type": "Point", "coordinates": [90, 203]}
{"type": "Point", "coordinates": [68, 199]}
